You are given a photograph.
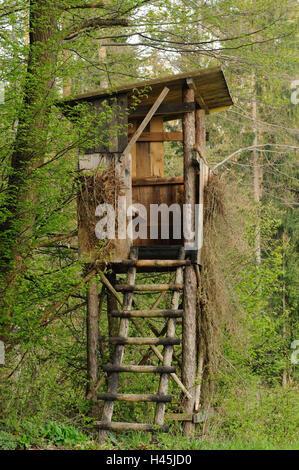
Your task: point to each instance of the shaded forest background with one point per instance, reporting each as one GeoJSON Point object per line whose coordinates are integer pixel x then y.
{"type": "Point", "coordinates": [50, 50]}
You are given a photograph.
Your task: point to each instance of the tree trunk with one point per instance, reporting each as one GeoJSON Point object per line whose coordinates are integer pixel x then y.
{"type": "Point", "coordinates": [256, 173]}
{"type": "Point", "coordinates": [286, 320]}
{"type": "Point", "coordinates": [30, 142]}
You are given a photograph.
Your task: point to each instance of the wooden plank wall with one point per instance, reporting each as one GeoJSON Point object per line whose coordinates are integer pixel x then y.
{"type": "Point", "coordinates": [156, 191]}
{"type": "Point", "coordinates": [148, 157]}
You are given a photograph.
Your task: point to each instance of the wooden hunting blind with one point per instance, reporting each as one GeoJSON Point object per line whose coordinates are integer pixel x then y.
{"type": "Point", "coordinates": [136, 152]}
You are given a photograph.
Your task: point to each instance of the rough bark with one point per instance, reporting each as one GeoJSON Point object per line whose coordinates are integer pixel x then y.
{"type": "Point", "coordinates": [189, 322]}
{"type": "Point", "coordinates": [21, 194]}
{"type": "Point", "coordinates": [92, 337]}
{"type": "Point", "coordinates": [256, 174]}
{"type": "Point", "coordinates": [112, 305]}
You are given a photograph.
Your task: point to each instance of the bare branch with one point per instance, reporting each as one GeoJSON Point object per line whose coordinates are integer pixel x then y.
{"type": "Point", "coordinates": [251, 148]}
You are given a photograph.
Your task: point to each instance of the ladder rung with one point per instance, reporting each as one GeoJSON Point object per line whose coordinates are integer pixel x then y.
{"type": "Point", "coordinates": [134, 397]}
{"type": "Point", "coordinates": [140, 369]}
{"type": "Point", "coordinates": [148, 313]}
{"type": "Point", "coordinates": [148, 287]}
{"type": "Point", "coordinates": [138, 340]}
{"type": "Point", "coordinates": [114, 426]}
{"type": "Point", "coordinates": [153, 263]}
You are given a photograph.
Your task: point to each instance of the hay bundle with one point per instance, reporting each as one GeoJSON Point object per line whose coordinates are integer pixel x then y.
{"type": "Point", "coordinates": [214, 303]}
{"type": "Point", "coordinates": [102, 187]}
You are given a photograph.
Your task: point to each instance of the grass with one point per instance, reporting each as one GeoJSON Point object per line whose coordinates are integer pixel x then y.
{"type": "Point", "coordinates": [55, 435]}
{"type": "Point", "coordinates": [267, 420]}
{"type": "Point", "coordinates": [143, 441]}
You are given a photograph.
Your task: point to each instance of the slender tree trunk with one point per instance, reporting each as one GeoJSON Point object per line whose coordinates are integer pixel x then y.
{"type": "Point", "coordinates": [286, 321]}
{"type": "Point", "coordinates": [21, 194]}
{"type": "Point", "coordinates": [256, 173]}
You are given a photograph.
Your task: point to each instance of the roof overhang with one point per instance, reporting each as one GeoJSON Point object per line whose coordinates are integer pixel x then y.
{"type": "Point", "coordinates": [210, 87]}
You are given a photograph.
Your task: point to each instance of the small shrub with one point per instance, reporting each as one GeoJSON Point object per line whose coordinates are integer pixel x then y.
{"type": "Point", "coordinates": [62, 434]}
{"type": "Point", "coordinates": [7, 441]}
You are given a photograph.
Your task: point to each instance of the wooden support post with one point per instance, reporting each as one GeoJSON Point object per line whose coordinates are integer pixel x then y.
{"type": "Point", "coordinates": [92, 321]}
{"type": "Point", "coordinates": [200, 140]}
{"type": "Point", "coordinates": [190, 284]}
{"type": "Point", "coordinates": [123, 171]}
{"type": "Point", "coordinates": [200, 131]}
{"type": "Point", "coordinates": [157, 148]}
{"type": "Point", "coordinates": [112, 305]}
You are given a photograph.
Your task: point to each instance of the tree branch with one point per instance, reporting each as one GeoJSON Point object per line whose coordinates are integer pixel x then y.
{"type": "Point", "coordinates": [59, 303]}
{"type": "Point", "coordinates": [45, 320]}
{"type": "Point", "coordinates": [56, 239]}
{"type": "Point", "coordinates": [94, 23]}
{"type": "Point", "coordinates": [86, 5]}
{"type": "Point", "coordinates": [251, 148]}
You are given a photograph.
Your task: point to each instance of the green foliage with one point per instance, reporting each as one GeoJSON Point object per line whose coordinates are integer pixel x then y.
{"type": "Point", "coordinates": [34, 433]}
{"type": "Point", "coordinates": [45, 371]}
{"type": "Point", "coordinates": [62, 434]}
{"type": "Point", "coordinates": [7, 441]}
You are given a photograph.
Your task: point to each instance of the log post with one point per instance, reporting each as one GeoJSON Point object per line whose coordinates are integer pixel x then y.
{"type": "Point", "coordinates": [189, 322]}
{"type": "Point", "coordinates": [200, 130]}
{"type": "Point", "coordinates": [200, 140]}
{"type": "Point", "coordinates": [112, 306]}
{"type": "Point", "coordinates": [92, 321]}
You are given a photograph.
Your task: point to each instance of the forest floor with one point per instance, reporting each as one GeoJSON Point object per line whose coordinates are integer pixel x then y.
{"type": "Point", "coordinates": [144, 441]}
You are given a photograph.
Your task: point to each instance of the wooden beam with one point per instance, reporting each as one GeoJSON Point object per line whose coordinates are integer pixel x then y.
{"type": "Point", "coordinates": [179, 416]}
{"type": "Point", "coordinates": [200, 138]}
{"type": "Point", "coordinates": [148, 313]}
{"type": "Point", "coordinates": [119, 426]}
{"type": "Point", "coordinates": [159, 136]}
{"type": "Point", "coordinates": [146, 120]}
{"type": "Point", "coordinates": [192, 417]}
{"type": "Point", "coordinates": [139, 369]}
{"type": "Point", "coordinates": [92, 325]}
{"type": "Point", "coordinates": [152, 263]}
{"type": "Point", "coordinates": [156, 148]}
{"type": "Point", "coordinates": [154, 181]}
{"type": "Point", "coordinates": [123, 172]}
{"type": "Point", "coordinates": [191, 85]}
{"type": "Point", "coordinates": [148, 340]}
{"type": "Point", "coordinates": [148, 287]}
{"type": "Point", "coordinates": [134, 397]}
{"type": "Point", "coordinates": [164, 109]}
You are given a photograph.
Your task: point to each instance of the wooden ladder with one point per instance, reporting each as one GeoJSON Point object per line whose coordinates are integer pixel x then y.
{"type": "Point", "coordinates": [126, 315]}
